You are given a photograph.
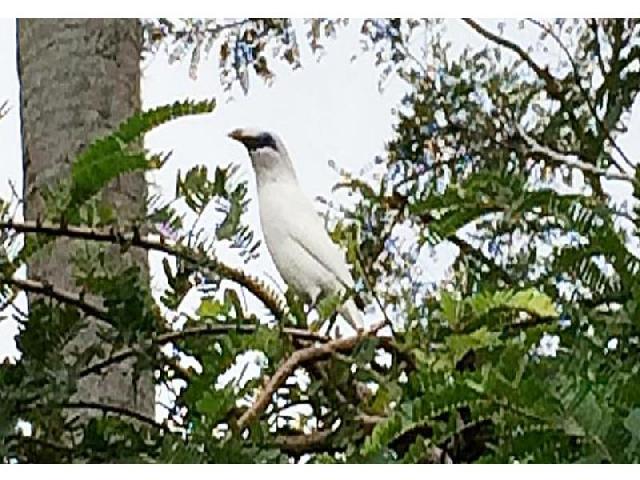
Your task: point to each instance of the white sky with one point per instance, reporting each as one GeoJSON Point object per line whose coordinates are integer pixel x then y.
{"type": "Point", "coordinates": [326, 110]}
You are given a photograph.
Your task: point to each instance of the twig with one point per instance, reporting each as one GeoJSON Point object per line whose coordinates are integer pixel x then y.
{"type": "Point", "coordinates": [466, 248]}
{"type": "Point", "coordinates": [124, 412]}
{"type": "Point", "coordinates": [317, 441]}
{"type": "Point", "coordinates": [399, 202]}
{"type": "Point", "coordinates": [571, 161]}
{"type": "Point", "coordinates": [370, 287]}
{"type": "Point", "coordinates": [320, 441]}
{"type": "Point", "coordinates": [411, 56]}
{"type": "Point", "coordinates": [3, 109]}
{"type": "Point", "coordinates": [584, 92]}
{"type": "Point", "coordinates": [287, 368]}
{"type": "Point", "coordinates": [227, 26]}
{"type": "Point", "coordinates": [134, 239]}
{"type": "Point", "coordinates": [593, 25]}
{"type": "Point", "coordinates": [218, 329]}
{"type": "Point", "coordinates": [550, 81]}
{"type": "Point", "coordinates": [81, 405]}
{"type": "Point", "coordinates": [75, 299]}
{"type": "Point", "coordinates": [196, 331]}
{"type": "Point", "coordinates": [534, 321]}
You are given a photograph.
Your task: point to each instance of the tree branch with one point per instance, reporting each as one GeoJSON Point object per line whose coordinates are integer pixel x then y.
{"type": "Point", "coordinates": [320, 441]}
{"type": "Point", "coordinates": [77, 300]}
{"type": "Point", "coordinates": [134, 239]}
{"type": "Point", "coordinates": [290, 364]}
{"type": "Point", "coordinates": [300, 444]}
{"type": "Point", "coordinates": [123, 412]}
{"type": "Point", "coordinates": [584, 92]}
{"type": "Point", "coordinates": [571, 161]}
{"type": "Point", "coordinates": [81, 405]}
{"type": "Point", "coordinates": [192, 332]}
{"type": "Point", "coordinates": [62, 296]}
{"type": "Point", "coordinates": [552, 85]}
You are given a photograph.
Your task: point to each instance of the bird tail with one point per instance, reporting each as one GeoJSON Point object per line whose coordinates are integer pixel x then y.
{"type": "Point", "coordinates": [352, 314]}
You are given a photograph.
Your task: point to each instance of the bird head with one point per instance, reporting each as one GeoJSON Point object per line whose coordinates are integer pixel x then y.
{"type": "Point", "coordinates": [266, 150]}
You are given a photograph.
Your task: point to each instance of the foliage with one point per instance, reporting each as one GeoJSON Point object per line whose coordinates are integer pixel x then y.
{"type": "Point", "coordinates": [527, 350]}
{"type": "Point", "coordinates": [243, 46]}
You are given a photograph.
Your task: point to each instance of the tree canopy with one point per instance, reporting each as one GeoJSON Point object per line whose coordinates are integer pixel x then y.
{"type": "Point", "coordinates": [526, 352]}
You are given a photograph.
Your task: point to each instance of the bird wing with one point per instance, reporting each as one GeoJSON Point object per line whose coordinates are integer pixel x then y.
{"type": "Point", "coordinates": [308, 231]}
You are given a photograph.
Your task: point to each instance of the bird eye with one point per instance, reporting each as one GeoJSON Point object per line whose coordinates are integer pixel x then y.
{"type": "Point", "coordinates": [266, 140]}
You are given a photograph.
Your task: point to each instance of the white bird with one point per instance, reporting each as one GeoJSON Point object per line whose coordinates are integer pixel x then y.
{"type": "Point", "coordinates": [304, 254]}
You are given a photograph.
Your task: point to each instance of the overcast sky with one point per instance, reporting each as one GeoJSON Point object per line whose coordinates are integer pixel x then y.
{"type": "Point", "coordinates": [326, 110]}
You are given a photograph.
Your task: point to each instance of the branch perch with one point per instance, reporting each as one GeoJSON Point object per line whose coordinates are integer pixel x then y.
{"type": "Point", "coordinates": [297, 358]}
{"type": "Point", "coordinates": [134, 239]}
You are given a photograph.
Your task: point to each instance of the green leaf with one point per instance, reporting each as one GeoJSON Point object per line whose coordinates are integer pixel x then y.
{"type": "Point", "coordinates": [114, 155]}
{"type": "Point", "coordinates": [211, 308]}
{"type": "Point", "coordinates": [450, 308]}
{"type": "Point", "coordinates": [459, 345]}
{"type": "Point", "coordinates": [591, 415]}
{"type": "Point", "coordinates": [215, 404]}
{"type": "Point", "coordinates": [632, 423]}
{"type": "Point", "coordinates": [535, 302]}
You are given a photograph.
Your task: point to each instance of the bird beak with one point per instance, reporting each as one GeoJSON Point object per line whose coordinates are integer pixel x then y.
{"type": "Point", "coordinates": [239, 135]}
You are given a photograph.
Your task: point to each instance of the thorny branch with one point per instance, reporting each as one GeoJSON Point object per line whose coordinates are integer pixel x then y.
{"type": "Point", "coordinates": [78, 301]}
{"type": "Point", "coordinates": [134, 239]}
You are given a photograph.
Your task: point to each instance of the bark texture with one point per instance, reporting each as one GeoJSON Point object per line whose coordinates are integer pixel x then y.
{"type": "Point", "coordinates": [79, 78]}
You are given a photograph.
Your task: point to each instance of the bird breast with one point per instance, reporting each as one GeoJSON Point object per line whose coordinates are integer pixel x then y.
{"type": "Point", "coordinates": [296, 239]}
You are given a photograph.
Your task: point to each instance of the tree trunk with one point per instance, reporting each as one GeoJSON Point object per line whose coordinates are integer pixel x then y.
{"type": "Point", "coordinates": [79, 79]}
